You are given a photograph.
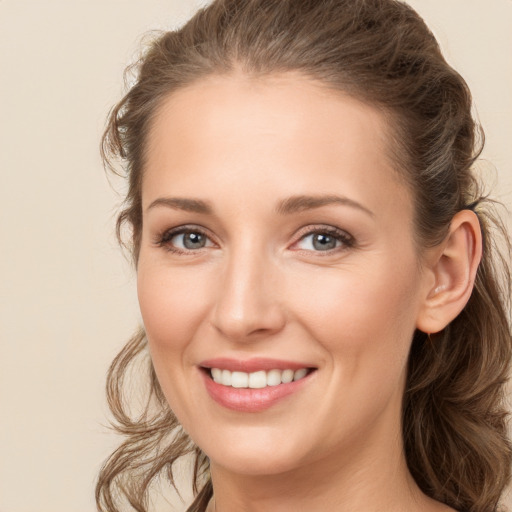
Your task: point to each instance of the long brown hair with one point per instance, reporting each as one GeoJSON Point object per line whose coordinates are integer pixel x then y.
{"type": "Point", "coordinates": [380, 51]}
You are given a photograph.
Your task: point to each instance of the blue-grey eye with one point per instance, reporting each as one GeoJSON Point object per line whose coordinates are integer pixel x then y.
{"type": "Point", "coordinates": [185, 239]}
{"type": "Point", "coordinates": [323, 241]}
{"type": "Point", "coordinates": [190, 240]}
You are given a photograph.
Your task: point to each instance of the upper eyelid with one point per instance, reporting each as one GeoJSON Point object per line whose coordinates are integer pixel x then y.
{"type": "Point", "coordinates": [331, 230]}
{"type": "Point", "coordinates": [186, 228]}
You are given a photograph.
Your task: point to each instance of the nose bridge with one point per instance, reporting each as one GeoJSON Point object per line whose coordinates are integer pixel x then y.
{"type": "Point", "coordinates": [247, 301]}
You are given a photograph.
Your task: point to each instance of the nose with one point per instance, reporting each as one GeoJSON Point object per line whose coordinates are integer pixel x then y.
{"type": "Point", "coordinates": [249, 303]}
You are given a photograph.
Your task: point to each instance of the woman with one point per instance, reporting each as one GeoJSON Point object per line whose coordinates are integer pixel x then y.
{"type": "Point", "coordinates": [323, 301]}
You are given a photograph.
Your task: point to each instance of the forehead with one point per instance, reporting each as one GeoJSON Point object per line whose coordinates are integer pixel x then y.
{"type": "Point", "coordinates": [285, 129]}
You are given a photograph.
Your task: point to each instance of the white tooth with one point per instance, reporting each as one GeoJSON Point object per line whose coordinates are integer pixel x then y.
{"type": "Point", "coordinates": [287, 376]}
{"type": "Point", "coordinates": [240, 379]}
{"type": "Point", "coordinates": [226, 378]}
{"type": "Point", "coordinates": [258, 379]}
{"type": "Point", "coordinates": [273, 377]}
{"type": "Point", "coordinates": [217, 375]}
{"type": "Point", "coordinates": [299, 374]}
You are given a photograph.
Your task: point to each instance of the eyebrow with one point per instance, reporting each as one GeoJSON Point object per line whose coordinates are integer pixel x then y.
{"type": "Point", "coordinates": [288, 206]}
{"type": "Point", "coordinates": [181, 203]}
{"type": "Point", "coordinates": [295, 204]}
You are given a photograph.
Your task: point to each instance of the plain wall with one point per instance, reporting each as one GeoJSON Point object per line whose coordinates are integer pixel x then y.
{"type": "Point", "coordinates": [67, 296]}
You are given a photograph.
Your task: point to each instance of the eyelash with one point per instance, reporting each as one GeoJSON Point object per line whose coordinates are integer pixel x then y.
{"type": "Point", "coordinates": [346, 240]}
{"type": "Point", "coordinates": [165, 238]}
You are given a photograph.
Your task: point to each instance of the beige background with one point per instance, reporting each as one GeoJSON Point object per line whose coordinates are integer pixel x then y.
{"type": "Point", "coordinates": [67, 299]}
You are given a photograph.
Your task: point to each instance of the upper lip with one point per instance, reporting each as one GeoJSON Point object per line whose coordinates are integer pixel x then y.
{"type": "Point", "coordinates": [253, 364]}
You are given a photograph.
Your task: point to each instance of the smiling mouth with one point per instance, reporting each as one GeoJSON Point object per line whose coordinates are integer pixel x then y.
{"type": "Point", "coordinates": [256, 380]}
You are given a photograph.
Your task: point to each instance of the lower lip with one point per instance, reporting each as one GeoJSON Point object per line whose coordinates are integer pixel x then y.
{"type": "Point", "coordinates": [248, 399]}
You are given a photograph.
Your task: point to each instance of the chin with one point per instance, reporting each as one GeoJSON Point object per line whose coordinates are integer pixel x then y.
{"type": "Point", "coordinates": [256, 455]}
{"type": "Point", "coordinates": [255, 464]}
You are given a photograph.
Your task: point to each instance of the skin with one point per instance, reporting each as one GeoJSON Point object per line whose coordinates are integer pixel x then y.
{"type": "Point", "coordinates": [259, 287]}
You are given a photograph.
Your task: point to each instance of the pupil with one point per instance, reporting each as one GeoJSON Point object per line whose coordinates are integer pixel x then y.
{"type": "Point", "coordinates": [324, 242]}
{"type": "Point", "coordinates": [193, 240]}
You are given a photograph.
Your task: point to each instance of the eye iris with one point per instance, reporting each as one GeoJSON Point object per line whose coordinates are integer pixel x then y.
{"type": "Point", "coordinates": [323, 242]}
{"type": "Point", "coordinates": [193, 240]}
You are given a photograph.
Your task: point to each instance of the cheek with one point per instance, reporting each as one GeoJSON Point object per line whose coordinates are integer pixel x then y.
{"type": "Point", "coordinates": [367, 312]}
{"type": "Point", "coordinates": [364, 322]}
{"type": "Point", "coordinates": [172, 305]}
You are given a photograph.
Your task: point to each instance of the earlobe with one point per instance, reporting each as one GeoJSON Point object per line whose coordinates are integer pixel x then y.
{"type": "Point", "coordinates": [453, 267]}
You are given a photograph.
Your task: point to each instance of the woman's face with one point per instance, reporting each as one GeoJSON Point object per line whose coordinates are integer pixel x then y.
{"type": "Point", "coordinates": [277, 243]}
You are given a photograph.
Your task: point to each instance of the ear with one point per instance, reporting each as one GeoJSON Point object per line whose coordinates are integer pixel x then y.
{"type": "Point", "coordinates": [450, 273]}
